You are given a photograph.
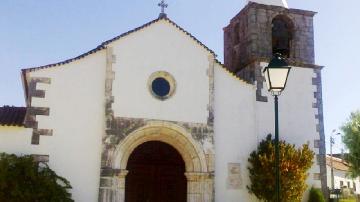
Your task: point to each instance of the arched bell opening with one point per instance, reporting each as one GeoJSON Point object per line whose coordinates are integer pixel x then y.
{"type": "Point", "coordinates": [282, 35]}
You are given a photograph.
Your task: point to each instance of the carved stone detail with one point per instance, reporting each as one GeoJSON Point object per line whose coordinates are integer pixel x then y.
{"type": "Point", "coordinates": [193, 141]}
{"type": "Point", "coordinates": [200, 187]}
{"type": "Point", "coordinates": [234, 179]}
{"type": "Point", "coordinates": [112, 188]}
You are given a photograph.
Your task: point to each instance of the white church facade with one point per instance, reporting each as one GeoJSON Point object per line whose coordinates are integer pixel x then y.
{"type": "Point", "coordinates": [152, 115]}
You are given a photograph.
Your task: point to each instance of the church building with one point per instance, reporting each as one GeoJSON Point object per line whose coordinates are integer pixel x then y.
{"type": "Point", "coordinates": [152, 116]}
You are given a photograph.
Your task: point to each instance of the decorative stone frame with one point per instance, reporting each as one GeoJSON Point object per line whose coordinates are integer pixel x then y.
{"type": "Point", "coordinates": [168, 77]}
{"type": "Point", "coordinates": [200, 185]}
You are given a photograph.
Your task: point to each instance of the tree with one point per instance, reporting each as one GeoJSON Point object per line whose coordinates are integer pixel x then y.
{"type": "Point", "coordinates": [351, 139]}
{"type": "Point", "coordinates": [23, 179]}
{"type": "Point", "coordinates": [294, 164]}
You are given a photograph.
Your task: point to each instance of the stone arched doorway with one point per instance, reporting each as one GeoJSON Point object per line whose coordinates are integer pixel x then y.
{"type": "Point", "coordinates": [156, 173]}
{"type": "Point", "coordinates": [199, 179]}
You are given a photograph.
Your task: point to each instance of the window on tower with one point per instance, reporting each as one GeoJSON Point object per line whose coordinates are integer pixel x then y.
{"type": "Point", "coordinates": [282, 35]}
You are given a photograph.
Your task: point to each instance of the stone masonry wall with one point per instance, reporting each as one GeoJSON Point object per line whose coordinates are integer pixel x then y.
{"type": "Point", "coordinates": [248, 37]}
{"type": "Point", "coordinates": [32, 112]}
{"type": "Point", "coordinates": [316, 81]}
{"type": "Point", "coordinates": [203, 134]}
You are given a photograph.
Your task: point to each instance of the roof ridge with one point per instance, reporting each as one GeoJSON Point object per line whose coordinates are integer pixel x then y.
{"type": "Point", "coordinates": [105, 43]}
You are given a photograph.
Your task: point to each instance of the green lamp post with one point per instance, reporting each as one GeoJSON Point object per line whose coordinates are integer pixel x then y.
{"type": "Point", "coordinates": [276, 75]}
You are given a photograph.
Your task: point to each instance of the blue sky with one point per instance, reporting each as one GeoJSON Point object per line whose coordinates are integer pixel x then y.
{"type": "Point", "coordinates": [39, 32]}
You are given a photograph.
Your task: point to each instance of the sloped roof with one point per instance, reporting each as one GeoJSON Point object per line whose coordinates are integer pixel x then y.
{"type": "Point", "coordinates": [104, 44]}
{"type": "Point", "coordinates": [338, 164]}
{"type": "Point", "coordinates": [12, 116]}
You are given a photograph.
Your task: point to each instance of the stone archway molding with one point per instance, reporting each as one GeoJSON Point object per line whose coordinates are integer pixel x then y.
{"type": "Point", "coordinates": [166, 132]}
{"type": "Point", "coordinates": [200, 183]}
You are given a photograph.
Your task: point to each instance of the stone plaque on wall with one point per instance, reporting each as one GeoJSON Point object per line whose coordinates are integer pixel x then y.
{"type": "Point", "coordinates": [234, 180]}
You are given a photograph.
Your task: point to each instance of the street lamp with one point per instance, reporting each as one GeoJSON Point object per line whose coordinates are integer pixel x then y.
{"type": "Point", "coordinates": [276, 75]}
{"type": "Point", "coordinates": [332, 142]}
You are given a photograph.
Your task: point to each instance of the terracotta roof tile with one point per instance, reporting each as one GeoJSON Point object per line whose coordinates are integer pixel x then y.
{"type": "Point", "coordinates": [12, 116]}
{"type": "Point", "coordinates": [338, 164]}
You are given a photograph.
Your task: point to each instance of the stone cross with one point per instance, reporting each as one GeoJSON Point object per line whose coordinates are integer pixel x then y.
{"type": "Point", "coordinates": [163, 5]}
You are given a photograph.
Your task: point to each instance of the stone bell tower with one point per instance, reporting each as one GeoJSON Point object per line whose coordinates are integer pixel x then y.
{"type": "Point", "coordinates": [259, 30]}
{"type": "Point", "coordinates": [266, 27]}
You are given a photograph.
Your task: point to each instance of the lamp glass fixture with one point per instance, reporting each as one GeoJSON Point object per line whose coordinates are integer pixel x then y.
{"type": "Point", "coordinates": [276, 74]}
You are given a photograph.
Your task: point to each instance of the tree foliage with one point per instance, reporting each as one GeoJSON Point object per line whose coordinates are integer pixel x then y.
{"type": "Point", "coordinates": [294, 164]}
{"type": "Point", "coordinates": [351, 139]}
{"type": "Point", "coordinates": [316, 195]}
{"type": "Point", "coordinates": [22, 179]}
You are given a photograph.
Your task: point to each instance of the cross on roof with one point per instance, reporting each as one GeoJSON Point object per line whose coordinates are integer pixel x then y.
{"type": "Point", "coordinates": [163, 5]}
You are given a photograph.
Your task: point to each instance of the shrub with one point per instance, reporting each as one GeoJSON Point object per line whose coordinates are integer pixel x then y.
{"type": "Point", "coordinates": [23, 179]}
{"type": "Point", "coordinates": [316, 195]}
{"type": "Point", "coordinates": [294, 164]}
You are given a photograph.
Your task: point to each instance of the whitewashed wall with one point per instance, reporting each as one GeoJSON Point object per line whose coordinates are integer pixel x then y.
{"type": "Point", "coordinates": [161, 47]}
{"type": "Point", "coordinates": [235, 135]}
{"type": "Point", "coordinates": [76, 101]}
{"type": "Point", "coordinates": [15, 140]}
{"type": "Point", "coordinates": [241, 123]}
{"type": "Point", "coordinates": [297, 123]}
{"type": "Point", "coordinates": [340, 175]}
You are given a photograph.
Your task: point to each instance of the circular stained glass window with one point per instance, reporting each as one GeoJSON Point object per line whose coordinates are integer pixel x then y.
{"type": "Point", "coordinates": [161, 85]}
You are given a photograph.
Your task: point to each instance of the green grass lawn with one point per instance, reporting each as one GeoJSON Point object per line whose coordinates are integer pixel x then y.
{"type": "Point", "coordinates": [347, 200]}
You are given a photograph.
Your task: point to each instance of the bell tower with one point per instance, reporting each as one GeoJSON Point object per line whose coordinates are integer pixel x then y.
{"type": "Point", "coordinates": [260, 30]}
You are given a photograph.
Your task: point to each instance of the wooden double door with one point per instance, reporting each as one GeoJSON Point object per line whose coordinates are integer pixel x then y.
{"type": "Point", "coordinates": [156, 174]}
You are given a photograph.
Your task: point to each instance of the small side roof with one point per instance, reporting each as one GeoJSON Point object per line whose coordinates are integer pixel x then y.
{"type": "Point", "coordinates": [337, 163]}
{"type": "Point", "coordinates": [12, 116]}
